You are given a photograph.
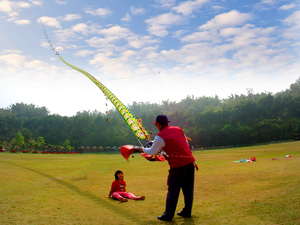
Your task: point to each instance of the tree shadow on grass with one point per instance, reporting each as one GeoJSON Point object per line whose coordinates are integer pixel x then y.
{"type": "Point", "coordinates": [104, 203]}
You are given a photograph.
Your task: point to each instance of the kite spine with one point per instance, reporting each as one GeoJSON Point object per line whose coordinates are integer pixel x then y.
{"type": "Point", "coordinates": [133, 123]}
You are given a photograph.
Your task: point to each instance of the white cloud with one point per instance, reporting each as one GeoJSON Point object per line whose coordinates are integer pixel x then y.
{"type": "Point", "coordinates": [80, 28]}
{"type": "Point", "coordinates": [116, 31]}
{"type": "Point", "coordinates": [264, 5]}
{"type": "Point", "coordinates": [136, 11]}
{"type": "Point", "coordinates": [12, 59]}
{"type": "Point", "coordinates": [13, 9]}
{"type": "Point", "coordinates": [60, 2]}
{"type": "Point", "coordinates": [188, 7]}
{"type": "Point", "coordinates": [49, 21]}
{"type": "Point", "coordinates": [209, 31]}
{"type": "Point", "coordinates": [157, 26]}
{"type": "Point", "coordinates": [99, 12]}
{"type": "Point", "coordinates": [217, 7]}
{"type": "Point", "coordinates": [85, 29]}
{"type": "Point", "coordinates": [231, 18]}
{"type": "Point", "coordinates": [64, 35]}
{"type": "Point", "coordinates": [84, 53]}
{"type": "Point", "coordinates": [9, 6]}
{"type": "Point", "coordinates": [11, 51]}
{"type": "Point", "coordinates": [287, 7]}
{"type": "Point", "coordinates": [118, 39]}
{"type": "Point", "coordinates": [21, 22]}
{"type": "Point", "coordinates": [293, 21]}
{"type": "Point", "coordinates": [71, 17]}
{"type": "Point", "coordinates": [179, 33]}
{"type": "Point", "coordinates": [127, 17]}
{"type": "Point", "coordinates": [112, 66]}
{"type": "Point", "coordinates": [247, 35]}
{"type": "Point", "coordinates": [137, 42]}
{"type": "Point", "coordinates": [239, 50]}
{"type": "Point", "coordinates": [200, 36]}
{"type": "Point", "coordinates": [110, 35]}
{"type": "Point", "coordinates": [166, 3]}
{"type": "Point", "coordinates": [36, 64]}
{"type": "Point", "coordinates": [33, 2]}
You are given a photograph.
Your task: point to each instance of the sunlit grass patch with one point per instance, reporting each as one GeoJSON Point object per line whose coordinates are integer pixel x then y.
{"type": "Point", "coordinates": [71, 189]}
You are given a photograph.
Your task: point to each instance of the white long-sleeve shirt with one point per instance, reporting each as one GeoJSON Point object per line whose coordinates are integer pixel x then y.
{"type": "Point", "coordinates": [158, 144]}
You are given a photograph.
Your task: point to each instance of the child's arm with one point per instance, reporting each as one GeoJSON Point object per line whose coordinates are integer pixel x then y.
{"type": "Point", "coordinates": [110, 192]}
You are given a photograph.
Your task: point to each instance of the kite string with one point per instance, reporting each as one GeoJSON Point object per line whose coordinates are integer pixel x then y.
{"type": "Point", "coordinates": [48, 39]}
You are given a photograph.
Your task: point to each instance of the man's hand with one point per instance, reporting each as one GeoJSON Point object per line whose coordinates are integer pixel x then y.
{"type": "Point", "coordinates": [195, 165]}
{"type": "Point", "coordinates": [141, 150]}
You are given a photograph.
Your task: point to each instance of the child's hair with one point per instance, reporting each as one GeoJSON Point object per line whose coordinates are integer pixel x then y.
{"type": "Point", "coordinates": [116, 174]}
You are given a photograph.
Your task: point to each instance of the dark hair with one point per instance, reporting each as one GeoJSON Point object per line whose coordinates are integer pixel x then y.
{"type": "Point", "coordinates": [116, 174]}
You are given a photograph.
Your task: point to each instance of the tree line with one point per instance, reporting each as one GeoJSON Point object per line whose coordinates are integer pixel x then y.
{"type": "Point", "coordinates": [238, 120]}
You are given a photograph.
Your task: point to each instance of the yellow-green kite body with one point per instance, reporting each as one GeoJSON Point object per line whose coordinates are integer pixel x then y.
{"type": "Point", "coordinates": [133, 123]}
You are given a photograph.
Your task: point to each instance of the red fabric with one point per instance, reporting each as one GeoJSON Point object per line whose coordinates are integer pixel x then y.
{"type": "Point", "coordinates": [117, 186]}
{"type": "Point", "coordinates": [147, 156]}
{"type": "Point", "coordinates": [159, 158]}
{"type": "Point", "coordinates": [176, 147]}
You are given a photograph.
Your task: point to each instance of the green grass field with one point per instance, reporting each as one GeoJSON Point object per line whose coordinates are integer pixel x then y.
{"type": "Point", "coordinates": [71, 189]}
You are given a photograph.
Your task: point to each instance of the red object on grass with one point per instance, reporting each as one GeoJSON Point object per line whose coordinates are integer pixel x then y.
{"type": "Point", "coordinates": [253, 159]}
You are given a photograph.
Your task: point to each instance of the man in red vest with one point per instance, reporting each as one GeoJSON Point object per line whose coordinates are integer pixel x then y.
{"type": "Point", "coordinates": [172, 140]}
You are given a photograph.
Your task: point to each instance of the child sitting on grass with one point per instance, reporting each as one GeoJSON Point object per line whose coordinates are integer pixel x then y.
{"type": "Point", "coordinates": [118, 189]}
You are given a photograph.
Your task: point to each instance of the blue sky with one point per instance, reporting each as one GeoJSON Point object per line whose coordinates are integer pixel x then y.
{"type": "Point", "coordinates": [199, 47]}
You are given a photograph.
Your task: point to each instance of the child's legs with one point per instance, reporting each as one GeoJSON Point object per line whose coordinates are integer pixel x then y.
{"type": "Point", "coordinates": [129, 195]}
{"type": "Point", "coordinates": [119, 194]}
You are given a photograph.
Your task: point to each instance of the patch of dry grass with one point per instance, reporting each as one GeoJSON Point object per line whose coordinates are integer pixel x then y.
{"type": "Point", "coordinates": [71, 189]}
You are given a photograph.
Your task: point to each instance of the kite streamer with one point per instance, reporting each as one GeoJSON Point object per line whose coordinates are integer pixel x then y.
{"type": "Point", "coordinates": [134, 124]}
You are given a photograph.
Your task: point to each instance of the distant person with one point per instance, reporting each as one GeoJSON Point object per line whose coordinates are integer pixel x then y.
{"type": "Point", "coordinates": [182, 166]}
{"type": "Point", "coordinates": [118, 189]}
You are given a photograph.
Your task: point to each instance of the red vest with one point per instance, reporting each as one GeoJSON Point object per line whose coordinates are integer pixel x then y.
{"type": "Point", "coordinates": [176, 147]}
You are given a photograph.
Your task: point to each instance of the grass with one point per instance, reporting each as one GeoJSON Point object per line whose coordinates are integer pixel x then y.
{"type": "Point", "coordinates": [71, 189]}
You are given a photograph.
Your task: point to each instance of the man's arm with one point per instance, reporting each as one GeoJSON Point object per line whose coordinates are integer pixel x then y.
{"type": "Point", "coordinates": [158, 144]}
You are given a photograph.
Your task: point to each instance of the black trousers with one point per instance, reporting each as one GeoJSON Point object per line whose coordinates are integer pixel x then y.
{"type": "Point", "coordinates": [180, 178]}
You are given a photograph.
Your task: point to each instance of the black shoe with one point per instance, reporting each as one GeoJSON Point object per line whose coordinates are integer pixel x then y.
{"type": "Point", "coordinates": [183, 214]}
{"type": "Point", "coordinates": [164, 218]}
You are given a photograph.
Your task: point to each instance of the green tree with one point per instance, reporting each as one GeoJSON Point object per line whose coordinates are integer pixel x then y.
{"type": "Point", "coordinates": [67, 145]}
{"type": "Point", "coordinates": [20, 140]}
{"type": "Point", "coordinates": [40, 143]}
{"type": "Point", "coordinates": [32, 144]}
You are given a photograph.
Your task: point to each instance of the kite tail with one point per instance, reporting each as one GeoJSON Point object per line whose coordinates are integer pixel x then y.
{"type": "Point", "coordinates": [135, 125]}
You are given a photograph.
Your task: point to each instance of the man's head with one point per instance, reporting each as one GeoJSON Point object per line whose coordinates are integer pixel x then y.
{"type": "Point", "coordinates": [161, 121]}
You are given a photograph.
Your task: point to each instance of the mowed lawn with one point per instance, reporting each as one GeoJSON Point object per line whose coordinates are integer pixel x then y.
{"type": "Point", "coordinates": [71, 189]}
